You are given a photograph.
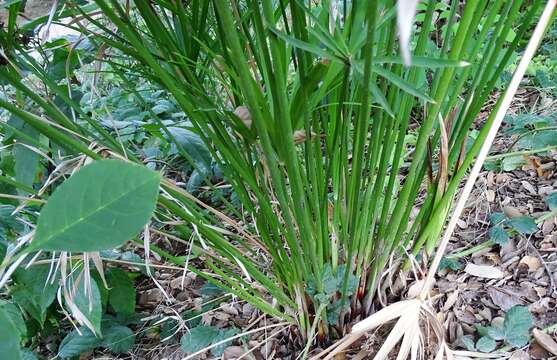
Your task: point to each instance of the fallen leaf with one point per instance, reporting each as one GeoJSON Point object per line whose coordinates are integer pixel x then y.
{"type": "Point", "coordinates": [490, 195]}
{"type": "Point", "coordinates": [529, 187]}
{"type": "Point", "coordinates": [545, 341]}
{"type": "Point", "coordinates": [504, 299]}
{"type": "Point", "coordinates": [511, 211]}
{"type": "Point", "coordinates": [484, 271]}
{"type": "Point", "coordinates": [520, 355]}
{"type": "Point", "coordinates": [451, 300]}
{"type": "Point", "coordinates": [532, 262]}
{"type": "Point", "coordinates": [233, 352]}
{"type": "Point", "coordinates": [244, 114]}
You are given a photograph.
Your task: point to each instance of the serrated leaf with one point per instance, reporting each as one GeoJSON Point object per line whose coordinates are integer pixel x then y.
{"type": "Point", "coordinates": [523, 224]}
{"type": "Point", "coordinates": [223, 335]}
{"type": "Point", "coordinates": [9, 338]}
{"type": "Point", "coordinates": [499, 235]}
{"type": "Point", "coordinates": [198, 338]}
{"type": "Point", "coordinates": [496, 333]}
{"type": "Point", "coordinates": [74, 344]}
{"type": "Point", "coordinates": [100, 207]}
{"type": "Point", "coordinates": [468, 342]}
{"type": "Point", "coordinates": [450, 263]}
{"type": "Point", "coordinates": [90, 304]}
{"type": "Point", "coordinates": [121, 295]}
{"type": "Point", "coordinates": [482, 330]}
{"type": "Point", "coordinates": [518, 321]}
{"type": "Point", "coordinates": [497, 217]}
{"type": "Point", "coordinates": [118, 338]}
{"type": "Point", "coordinates": [517, 340]}
{"type": "Point", "coordinates": [486, 344]}
{"type": "Point", "coordinates": [330, 282]}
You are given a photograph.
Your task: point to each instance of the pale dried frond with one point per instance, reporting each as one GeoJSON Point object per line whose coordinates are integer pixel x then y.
{"type": "Point", "coordinates": [406, 10]}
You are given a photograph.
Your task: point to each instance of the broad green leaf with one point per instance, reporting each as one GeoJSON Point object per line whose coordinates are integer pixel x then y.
{"type": "Point", "coordinates": [497, 218]}
{"type": "Point", "coordinates": [64, 61]}
{"type": "Point", "coordinates": [198, 338]}
{"type": "Point", "coordinates": [89, 303]}
{"type": "Point", "coordinates": [32, 291]}
{"type": "Point", "coordinates": [450, 263]}
{"type": "Point", "coordinates": [103, 291]}
{"type": "Point", "coordinates": [100, 207]}
{"type": "Point", "coordinates": [518, 321]}
{"type": "Point", "coordinates": [9, 225]}
{"type": "Point", "coordinates": [518, 340]}
{"type": "Point", "coordinates": [352, 281]}
{"type": "Point", "coordinates": [496, 333]}
{"type": "Point", "coordinates": [122, 292]}
{"type": "Point", "coordinates": [551, 201]}
{"type": "Point", "coordinates": [163, 106]}
{"type": "Point", "coordinates": [523, 224]}
{"type": "Point", "coordinates": [330, 282]}
{"type": "Point", "coordinates": [510, 163]}
{"type": "Point", "coordinates": [468, 342]}
{"type": "Point", "coordinates": [223, 335]}
{"type": "Point", "coordinates": [26, 160]}
{"type": "Point", "coordinates": [9, 338]}
{"type": "Point", "coordinates": [194, 146]}
{"type": "Point", "coordinates": [28, 354]}
{"type": "Point", "coordinates": [486, 344]}
{"type": "Point", "coordinates": [118, 338]}
{"type": "Point", "coordinates": [499, 235]}
{"type": "Point", "coordinates": [74, 344]}
{"type": "Point", "coordinates": [14, 314]}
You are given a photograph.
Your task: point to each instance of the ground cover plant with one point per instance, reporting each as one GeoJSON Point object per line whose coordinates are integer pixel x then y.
{"type": "Point", "coordinates": [292, 148]}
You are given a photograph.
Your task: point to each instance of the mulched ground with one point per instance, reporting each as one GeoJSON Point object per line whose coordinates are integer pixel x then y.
{"type": "Point", "coordinates": [462, 300]}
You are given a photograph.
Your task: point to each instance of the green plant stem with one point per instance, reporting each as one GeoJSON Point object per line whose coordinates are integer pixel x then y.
{"type": "Point", "coordinates": [472, 250]}
{"type": "Point", "coordinates": [522, 152]}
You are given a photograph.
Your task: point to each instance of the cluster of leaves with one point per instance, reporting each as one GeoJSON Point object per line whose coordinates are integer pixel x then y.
{"type": "Point", "coordinates": [87, 206]}
{"type": "Point", "coordinates": [110, 311]}
{"type": "Point", "coordinates": [333, 284]}
{"type": "Point", "coordinates": [514, 332]}
{"type": "Point", "coordinates": [203, 336]}
{"type": "Point", "coordinates": [543, 69]}
{"type": "Point", "coordinates": [29, 309]}
{"type": "Point", "coordinates": [532, 133]}
{"type": "Point", "coordinates": [503, 227]}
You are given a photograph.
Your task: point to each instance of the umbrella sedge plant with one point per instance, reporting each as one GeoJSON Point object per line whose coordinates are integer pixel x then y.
{"type": "Point", "coordinates": [341, 152]}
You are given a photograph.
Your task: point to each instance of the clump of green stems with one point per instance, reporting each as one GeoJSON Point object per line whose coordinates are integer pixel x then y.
{"type": "Point", "coordinates": [337, 198]}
